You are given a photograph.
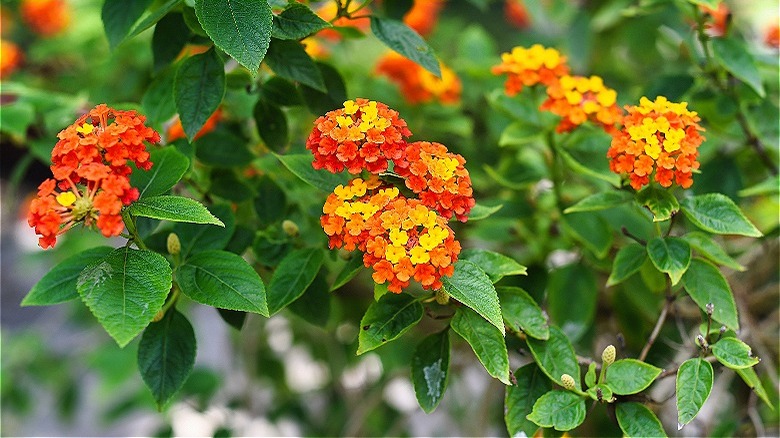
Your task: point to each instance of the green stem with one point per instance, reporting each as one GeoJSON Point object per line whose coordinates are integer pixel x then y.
{"type": "Point", "coordinates": [555, 171]}
{"type": "Point", "coordinates": [131, 228]}
{"type": "Point", "coordinates": [172, 299]}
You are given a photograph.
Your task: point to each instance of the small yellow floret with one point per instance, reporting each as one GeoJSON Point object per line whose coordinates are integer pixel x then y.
{"type": "Point", "coordinates": [86, 128]}
{"type": "Point", "coordinates": [66, 199]}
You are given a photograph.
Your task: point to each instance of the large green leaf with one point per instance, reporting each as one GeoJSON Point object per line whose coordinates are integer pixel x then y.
{"type": "Point", "coordinates": [271, 125]}
{"type": "Point", "coordinates": [520, 398]}
{"type": "Point", "coordinates": [671, 255]}
{"type": "Point", "coordinates": [387, 319]}
{"type": "Point", "coordinates": [734, 353]}
{"type": "Point", "coordinates": [241, 28]}
{"type": "Point", "coordinates": [705, 284]}
{"type": "Point", "coordinates": [561, 410]}
{"type": "Point", "coordinates": [555, 356]}
{"type": "Point", "coordinates": [471, 286]}
{"type": "Point", "coordinates": [572, 293]}
{"type": "Point", "coordinates": [170, 36]}
{"type": "Point", "coordinates": [59, 284]}
{"type": "Point", "coordinates": [751, 379]}
{"type": "Point", "coordinates": [519, 133]}
{"type": "Point", "coordinates": [583, 169]}
{"type": "Point", "coordinates": [125, 290]}
{"type": "Point", "coordinates": [430, 368]}
{"type": "Point", "coordinates": [661, 203]}
{"type": "Point", "coordinates": [627, 262]}
{"type": "Point", "coordinates": [222, 148]}
{"type": "Point", "coordinates": [169, 166]}
{"type": "Point", "coordinates": [636, 420]}
{"type": "Point", "coordinates": [300, 165]}
{"type": "Point", "coordinates": [173, 208]}
{"type": "Point", "coordinates": [154, 17]}
{"type": "Point", "coordinates": [271, 201]}
{"type": "Point", "coordinates": [293, 275]}
{"type": "Point", "coordinates": [736, 58]}
{"type": "Point", "coordinates": [591, 230]}
{"type": "Point", "coordinates": [224, 280]}
{"type": "Point", "coordinates": [198, 90]}
{"type": "Point", "coordinates": [157, 102]}
{"type": "Point", "coordinates": [119, 16]}
{"type": "Point", "coordinates": [198, 237]}
{"type": "Point", "coordinates": [495, 265]}
{"type": "Point", "coordinates": [314, 305]}
{"type": "Point", "coordinates": [348, 272]}
{"type": "Point", "coordinates": [487, 342]}
{"type": "Point", "coordinates": [166, 355]}
{"type": "Point", "coordinates": [318, 102]}
{"type": "Point", "coordinates": [521, 313]}
{"type": "Point", "coordinates": [694, 383]}
{"type": "Point", "coordinates": [629, 376]}
{"type": "Point", "coordinates": [705, 245]}
{"type": "Point", "coordinates": [296, 22]}
{"type": "Point", "coordinates": [401, 38]}
{"type": "Point", "coordinates": [289, 60]}
{"type": "Point", "coordinates": [717, 213]}
{"type": "Point", "coordinates": [600, 201]}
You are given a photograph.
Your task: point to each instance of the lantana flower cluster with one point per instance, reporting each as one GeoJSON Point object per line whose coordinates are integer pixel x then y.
{"type": "Point", "coordinates": [401, 238]}
{"type": "Point", "coordinates": [417, 84]}
{"type": "Point", "coordinates": [91, 174]}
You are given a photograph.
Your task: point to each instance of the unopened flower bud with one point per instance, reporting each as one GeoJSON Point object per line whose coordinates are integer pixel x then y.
{"type": "Point", "coordinates": [173, 243]}
{"type": "Point", "coordinates": [608, 356]}
{"type": "Point", "coordinates": [567, 381]}
{"type": "Point", "coordinates": [290, 228]}
{"type": "Point", "coordinates": [709, 308]}
{"type": "Point", "coordinates": [442, 297]}
{"type": "Point", "coordinates": [701, 341]}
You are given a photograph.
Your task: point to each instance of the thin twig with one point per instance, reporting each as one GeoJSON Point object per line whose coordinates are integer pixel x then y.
{"type": "Point", "coordinates": [673, 371]}
{"type": "Point", "coordinates": [657, 328]}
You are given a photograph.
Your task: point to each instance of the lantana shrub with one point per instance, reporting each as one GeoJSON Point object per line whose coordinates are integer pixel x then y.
{"type": "Point", "coordinates": [572, 201]}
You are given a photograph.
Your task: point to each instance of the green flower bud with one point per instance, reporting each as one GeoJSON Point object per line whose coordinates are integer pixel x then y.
{"type": "Point", "coordinates": [442, 297]}
{"type": "Point", "coordinates": [568, 381]}
{"type": "Point", "coordinates": [290, 228]}
{"type": "Point", "coordinates": [608, 356]}
{"type": "Point", "coordinates": [173, 243]}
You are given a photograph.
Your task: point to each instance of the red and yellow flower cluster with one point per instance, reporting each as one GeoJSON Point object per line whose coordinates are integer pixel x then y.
{"type": "Point", "coordinates": [10, 58]}
{"type": "Point", "coordinates": [91, 174]}
{"type": "Point", "coordinates": [577, 99]}
{"type": "Point", "coordinates": [528, 67]}
{"type": "Point", "coordinates": [401, 238]}
{"type": "Point", "coordinates": [417, 84]}
{"type": "Point", "coordinates": [658, 139]}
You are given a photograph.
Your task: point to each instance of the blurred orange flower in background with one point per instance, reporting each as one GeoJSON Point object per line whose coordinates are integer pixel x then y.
{"type": "Point", "coordinates": [417, 84]}
{"type": "Point", "coordinates": [516, 14]}
{"type": "Point", "coordinates": [45, 17]}
{"type": "Point", "coordinates": [10, 58]}
{"type": "Point", "coordinates": [772, 37]}
{"type": "Point", "coordinates": [176, 130]}
{"type": "Point", "coordinates": [721, 18]}
{"type": "Point", "coordinates": [329, 11]}
{"type": "Point", "coordinates": [424, 15]}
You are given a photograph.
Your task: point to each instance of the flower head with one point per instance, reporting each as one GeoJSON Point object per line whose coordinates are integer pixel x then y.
{"type": "Point", "coordinates": [362, 135]}
{"type": "Point", "coordinates": [423, 15]}
{"type": "Point", "coordinates": [45, 17]}
{"type": "Point", "coordinates": [438, 177]}
{"type": "Point", "coordinates": [417, 84]}
{"type": "Point", "coordinates": [10, 58]}
{"type": "Point", "coordinates": [528, 67]}
{"type": "Point", "coordinates": [660, 139]}
{"type": "Point", "coordinates": [577, 99]}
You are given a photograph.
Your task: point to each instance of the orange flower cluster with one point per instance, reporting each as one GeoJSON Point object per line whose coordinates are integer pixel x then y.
{"type": "Point", "coordinates": [438, 178]}
{"type": "Point", "coordinates": [91, 174]}
{"type": "Point", "coordinates": [176, 130]}
{"type": "Point", "coordinates": [577, 99]}
{"type": "Point", "coordinates": [772, 37]}
{"type": "Point", "coordinates": [362, 135]}
{"type": "Point", "coordinates": [10, 58]}
{"type": "Point", "coordinates": [721, 18]}
{"type": "Point", "coordinates": [45, 17]}
{"type": "Point", "coordinates": [423, 15]}
{"type": "Point", "coordinates": [528, 67]}
{"type": "Point", "coordinates": [328, 12]}
{"type": "Point", "coordinates": [417, 84]}
{"type": "Point", "coordinates": [516, 14]}
{"type": "Point", "coordinates": [401, 238]}
{"type": "Point", "coordinates": [659, 139]}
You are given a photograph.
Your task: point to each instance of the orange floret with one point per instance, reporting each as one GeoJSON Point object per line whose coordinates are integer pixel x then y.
{"type": "Point", "coordinates": [10, 58]}
{"type": "Point", "coordinates": [423, 15]}
{"type": "Point", "coordinates": [658, 139]}
{"type": "Point", "coordinates": [528, 67]}
{"type": "Point", "coordinates": [45, 17]}
{"type": "Point", "coordinates": [577, 99]}
{"type": "Point", "coordinates": [417, 84]}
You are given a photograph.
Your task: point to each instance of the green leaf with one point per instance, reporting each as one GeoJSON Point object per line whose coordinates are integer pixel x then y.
{"type": "Point", "coordinates": [471, 286]}
{"type": "Point", "coordinates": [562, 410]}
{"type": "Point", "coordinates": [629, 376]}
{"type": "Point", "coordinates": [693, 386]}
{"type": "Point", "coordinates": [582, 169]}
{"type": "Point", "coordinates": [401, 38]}
{"type": "Point", "coordinates": [125, 290]}
{"type": "Point", "coordinates": [736, 58]}
{"type": "Point", "coordinates": [226, 184]}
{"type": "Point", "coordinates": [637, 420]}
{"type": "Point", "coordinates": [119, 16]}
{"type": "Point", "coordinates": [591, 230]}
{"type": "Point", "coordinates": [705, 284]}
{"type": "Point", "coordinates": [224, 280]}
{"type": "Point", "coordinates": [314, 305]}
{"type": "Point", "coordinates": [222, 148]}
{"type": "Point", "coordinates": [59, 284]}
{"type": "Point", "coordinates": [479, 211]}
{"type": "Point", "coordinates": [387, 319]}
{"type": "Point", "coordinates": [300, 165]}
{"type": "Point", "coordinates": [234, 318]}
{"type": "Point", "coordinates": [751, 379]}
{"type": "Point", "coordinates": [166, 355]}
{"type": "Point", "coordinates": [170, 36]}
{"type": "Point", "coordinates": [318, 102]}
{"type": "Point", "coordinates": [601, 392]}
{"type": "Point", "coordinates": [280, 91]}
{"type": "Point", "coordinates": [169, 166]}
{"type": "Point", "coordinates": [627, 262]}
{"type": "Point", "coordinates": [430, 368]}
{"type": "Point", "coordinates": [734, 353]}
{"type": "Point", "coordinates": [271, 202]}
{"type": "Point", "coordinates": [600, 201]}
{"type": "Point", "coordinates": [495, 265]}
{"type": "Point", "coordinates": [271, 125]}
{"type": "Point", "coordinates": [241, 28]}
{"type": "Point", "coordinates": [555, 356]}
{"type": "Point", "coordinates": [198, 90]}
{"type": "Point", "coordinates": [661, 203]}
{"type": "Point", "coordinates": [296, 22]}
{"type": "Point", "coordinates": [289, 60]}
{"type": "Point", "coordinates": [487, 342]}
{"type": "Point", "coordinates": [521, 313]}
{"type": "Point", "coordinates": [670, 255]}
{"type": "Point", "coordinates": [173, 208]}
{"type": "Point", "coordinates": [154, 17]}
{"type": "Point", "coordinates": [572, 293]}
{"type": "Point", "coordinates": [769, 186]}
{"type": "Point", "coordinates": [293, 275]}
{"type": "Point", "coordinates": [197, 238]}
{"type": "Point", "coordinates": [518, 134]}
{"type": "Point", "coordinates": [717, 213]}
{"type": "Point", "coordinates": [590, 376]}
{"type": "Point", "coordinates": [157, 102]}
{"type": "Point", "coordinates": [520, 398]}
{"type": "Point", "coordinates": [348, 272]}
{"type": "Point", "coordinates": [705, 245]}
